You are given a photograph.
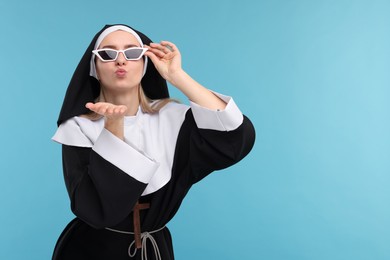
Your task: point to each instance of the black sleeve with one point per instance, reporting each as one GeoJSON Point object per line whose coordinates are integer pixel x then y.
{"type": "Point", "coordinates": [101, 194]}
{"type": "Point", "coordinates": [204, 151]}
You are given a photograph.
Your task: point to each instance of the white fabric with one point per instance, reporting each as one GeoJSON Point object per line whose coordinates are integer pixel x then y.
{"type": "Point", "coordinates": [147, 152]}
{"type": "Point", "coordinates": [222, 120]}
{"type": "Point", "coordinates": [70, 133]}
{"type": "Point", "coordinates": [119, 153]}
{"type": "Point", "coordinates": [101, 38]}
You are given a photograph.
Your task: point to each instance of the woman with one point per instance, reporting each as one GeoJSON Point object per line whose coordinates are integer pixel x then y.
{"type": "Point", "coordinates": [130, 154]}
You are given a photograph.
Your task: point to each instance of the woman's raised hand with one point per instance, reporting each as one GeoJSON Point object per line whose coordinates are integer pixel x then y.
{"type": "Point", "coordinates": [166, 58]}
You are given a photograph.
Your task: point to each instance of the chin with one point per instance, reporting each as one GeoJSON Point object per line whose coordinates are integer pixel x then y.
{"type": "Point", "coordinates": [124, 86]}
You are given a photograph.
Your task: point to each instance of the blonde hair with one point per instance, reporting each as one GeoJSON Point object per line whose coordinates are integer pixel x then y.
{"type": "Point", "coordinates": [147, 105]}
{"type": "Point", "coordinates": [152, 106]}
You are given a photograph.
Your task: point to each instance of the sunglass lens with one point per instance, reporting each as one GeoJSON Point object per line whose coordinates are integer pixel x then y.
{"type": "Point", "coordinates": [108, 55]}
{"type": "Point", "coordinates": [133, 54]}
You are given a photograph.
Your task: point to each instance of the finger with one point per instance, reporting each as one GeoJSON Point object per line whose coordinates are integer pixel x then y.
{"type": "Point", "coordinates": [110, 109]}
{"type": "Point", "coordinates": [93, 107]}
{"type": "Point", "coordinates": [169, 45]}
{"type": "Point", "coordinates": [102, 110]}
{"type": "Point", "coordinates": [118, 110]}
{"type": "Point", "coordinates": [123, 110]}
{"type": "Point", "coordinates": [152, 56]}
{"type": "Point", "coordinates": [156, 51]}
{"type": "Point", "coordinates": [89, 105]}
{"type": "Point", "coordinates": [164, 48]}
{"type": "Point", "coordinates": [161, 55]}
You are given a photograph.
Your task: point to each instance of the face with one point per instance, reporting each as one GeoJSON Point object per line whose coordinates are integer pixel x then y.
{"type": "Point", "coordinates": [121, 74]}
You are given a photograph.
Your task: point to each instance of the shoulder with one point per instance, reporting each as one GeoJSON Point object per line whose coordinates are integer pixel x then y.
{"type": "Point", "coordinates": [173, 110]}
{"type": "Point", "coordinates": [77, 131]}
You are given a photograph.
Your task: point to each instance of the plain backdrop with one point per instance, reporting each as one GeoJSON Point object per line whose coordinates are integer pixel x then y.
{"type": "Point", "coordinates": [313, 76]}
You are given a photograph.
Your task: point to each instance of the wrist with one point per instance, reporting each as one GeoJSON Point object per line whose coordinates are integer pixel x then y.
{"type": "Point", "coordinates": [176, 78]}
{"type": "Point", "coordinates": [115, 126]}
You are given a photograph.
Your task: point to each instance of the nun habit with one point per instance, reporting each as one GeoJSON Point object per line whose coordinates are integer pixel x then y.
{"type": "Point", "coordinates": [115, 185]}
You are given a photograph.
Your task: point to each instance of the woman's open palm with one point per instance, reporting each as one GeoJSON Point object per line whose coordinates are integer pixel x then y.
{"type": "Point", "coordinates": [107, 110]}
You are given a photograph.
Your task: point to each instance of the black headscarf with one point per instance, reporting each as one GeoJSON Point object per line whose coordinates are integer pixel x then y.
{"type": "Point", "coordinates": [84, 88]}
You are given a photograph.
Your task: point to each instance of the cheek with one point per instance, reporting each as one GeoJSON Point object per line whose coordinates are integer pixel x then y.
{"type": "Point", "coordinates": [137, 66]}
{"type": "Point", "coordinates": [100, 70]}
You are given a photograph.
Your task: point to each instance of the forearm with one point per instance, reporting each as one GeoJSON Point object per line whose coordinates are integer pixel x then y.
{"type": "Point", "coordinates": [196, 92]}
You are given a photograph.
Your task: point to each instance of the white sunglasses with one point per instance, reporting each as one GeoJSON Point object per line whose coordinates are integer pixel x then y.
{"type": "Point", "coordinates": [133, 53]}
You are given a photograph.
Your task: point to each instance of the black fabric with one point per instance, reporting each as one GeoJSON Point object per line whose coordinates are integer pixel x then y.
{"type": "Point", "coordinates": [83, 88]}
{"type": "Point", "coordinates": [79, 241]}
{"type": "Point", "coordinates": [198, 152]}
{"type": "Point", "coordinates": [101, 194]}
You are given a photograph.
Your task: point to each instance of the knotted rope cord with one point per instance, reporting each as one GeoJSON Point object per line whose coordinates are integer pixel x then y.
{"type": "Point", "coordinates": [144, 237]}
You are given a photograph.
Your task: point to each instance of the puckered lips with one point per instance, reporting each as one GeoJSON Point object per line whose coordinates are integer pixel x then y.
{"type": "Point", "coordinates": [121, 73]}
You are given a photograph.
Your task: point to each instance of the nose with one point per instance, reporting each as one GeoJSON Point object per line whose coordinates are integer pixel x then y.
{"type": "Point", "coordinates": [121, 60]}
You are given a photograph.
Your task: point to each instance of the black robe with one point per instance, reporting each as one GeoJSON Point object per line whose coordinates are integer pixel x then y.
{"type": "Point", "coordinates": [102, 195]}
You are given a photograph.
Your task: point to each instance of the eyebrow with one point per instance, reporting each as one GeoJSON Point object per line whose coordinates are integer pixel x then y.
{"type": "Point", "coordinates": [115, 47]}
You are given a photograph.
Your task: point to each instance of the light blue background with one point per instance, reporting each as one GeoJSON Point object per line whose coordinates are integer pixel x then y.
{"type": "Point", "coordinates": [312, 75]}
